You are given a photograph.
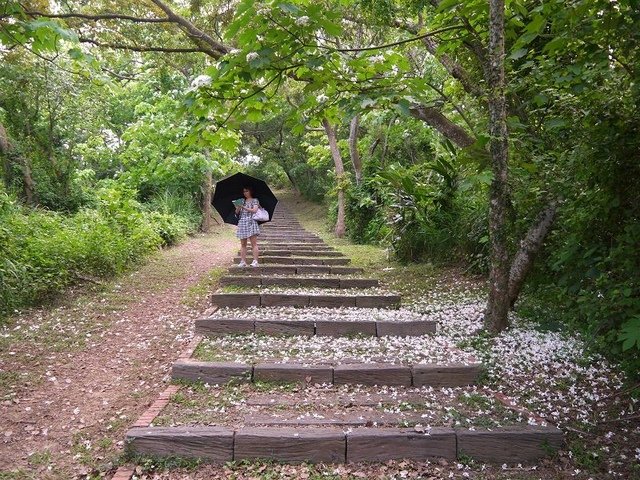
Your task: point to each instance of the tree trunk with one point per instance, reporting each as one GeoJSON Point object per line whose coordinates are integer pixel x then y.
{"type": "Point", "coordinates": [293, 184]}
{"type": "Point", "coordinates": [529, 248]}
{"type": "Point", "coordinates": [386, 142]}
{"type": "Point", "coordinates": [434, 118]}
{"type": "Point", "coordinates": [28, 184]}
{"type": "Point", "coordinates": [207, 214]}
{"type": "Point", "coordinates": [5, 146]}
{"type": "Point", "coordinates": [353, 148]}
{"type": "Point", "coordinates": [496, 315]}
{"type": "Point", "coordinates": [337, 160]}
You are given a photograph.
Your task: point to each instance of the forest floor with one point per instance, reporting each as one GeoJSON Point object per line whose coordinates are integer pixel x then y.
{"type": "Point", "coordinates": [74, 376]}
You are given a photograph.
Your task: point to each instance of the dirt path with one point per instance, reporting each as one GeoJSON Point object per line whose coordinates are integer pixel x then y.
{"type": "Point", "coordinates": [73, 377]}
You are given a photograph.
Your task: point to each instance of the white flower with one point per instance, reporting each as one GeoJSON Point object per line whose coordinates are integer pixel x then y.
{"type": "Point", "coordinates": [302, 21]}
{"type": "Point", "coordinates": [252, 56]}
{"type": "Point", "coordinates": [322, 98]}
{"type": "Point", "coordinates": [201, 81]}
{"type": "Point", "coordinates": [377, 59]}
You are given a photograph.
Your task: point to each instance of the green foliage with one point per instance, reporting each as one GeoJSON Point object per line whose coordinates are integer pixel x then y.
{"type": "Point", "coordinates": [43, 252]}
{"type": "Point", "coordinates": [630, 334]}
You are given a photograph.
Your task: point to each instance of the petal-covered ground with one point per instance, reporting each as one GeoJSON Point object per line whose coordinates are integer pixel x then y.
{"type": "Point", "coordinates": [335, 350]}
{"type": "Point", "coordinates": [347, 406]}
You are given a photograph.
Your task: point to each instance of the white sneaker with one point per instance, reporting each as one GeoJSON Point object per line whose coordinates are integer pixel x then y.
{"type": "Point", "coordinates": [242, 264]}
{"type": "Point", "coordinates": [254, 263]}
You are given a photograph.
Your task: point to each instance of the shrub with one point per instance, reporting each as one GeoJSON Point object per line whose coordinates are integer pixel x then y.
{"type": "Point", "coordinates": [43, 252]}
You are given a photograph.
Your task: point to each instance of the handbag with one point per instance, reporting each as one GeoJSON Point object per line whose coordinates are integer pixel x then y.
{"type": "Point", "coordinates": [261, 215]}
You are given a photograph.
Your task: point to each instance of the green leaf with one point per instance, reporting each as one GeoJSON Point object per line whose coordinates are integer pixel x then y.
{"type": "Point", "coordinates": [521, 52]}
{"type": "Point", "coordinates": [330, 27]}
{"type": "Point", "coordinates": [630, 333]}
{"type": "Point", "coordinates": [289, 8]}
{"type": "Point", "coordinates": [556, 122]}
{"type": "Point", "coordinates": [403, 107]}
{"type": "Point", "coordinates": [367, 102]}
{"type": "Point", "coordinates": [540, 99]}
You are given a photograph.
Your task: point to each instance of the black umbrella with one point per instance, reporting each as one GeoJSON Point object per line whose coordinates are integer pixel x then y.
{"type": "Point", "coordinates": [230, 188]}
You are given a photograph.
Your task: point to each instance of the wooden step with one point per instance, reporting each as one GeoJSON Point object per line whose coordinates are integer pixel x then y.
{"type": "Point", "coordinates": [511, 445]}
{"type": "Point", "coordinates": [294, 270]}
{"type": "Point", "coordinates": [296, 247]}
{"type": "Point", "coordinates": [218, 373]}
{"type": "Point", "coordinates": [297, 253]}
{"type": "Point", "coordinates": [217, 327]}
{"type": "Point", "coordinates": [322, 282]}
{"type": "Point", "coordinates": [301, 260]}
{"type": "Point", "coordinates": [233, 300]}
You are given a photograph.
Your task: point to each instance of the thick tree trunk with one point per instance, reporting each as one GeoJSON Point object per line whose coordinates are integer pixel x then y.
{"type": "Point", "coordinates": [207, 189]}
{"type": "Point", "coordinates": [293, 184]}
{"type": "Point", "coordinates": [354, 129]}
{"type": "Point", "coordinates": [529, 248]}
{"type": "Point", "coordinates": [496, 315]}
{"type": "Point", "coordinates": [434, 118]}
{"type": "Point", "coordinates": [337, 160]}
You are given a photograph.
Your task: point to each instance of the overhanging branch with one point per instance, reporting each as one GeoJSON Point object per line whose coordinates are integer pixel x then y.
{"type": "Point", "coordinates": [98, 17]}
{"type": "Point", "coordinates": [143, 48]}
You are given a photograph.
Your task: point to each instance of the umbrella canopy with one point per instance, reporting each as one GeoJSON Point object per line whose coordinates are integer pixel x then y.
{"type": "Point", "coordinates": [230, 189]}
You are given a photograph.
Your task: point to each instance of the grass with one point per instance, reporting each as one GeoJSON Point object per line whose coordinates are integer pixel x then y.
{"type": "Point", "coordinates": [207, 285]}
{"type": "Point", "coordinates": [17, 474]}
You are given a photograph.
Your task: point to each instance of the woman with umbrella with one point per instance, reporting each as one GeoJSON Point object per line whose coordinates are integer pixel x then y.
{"type": "Point", "coordinates": [248, 228]}
{"type": "Point", "coordinates": [242, 211]}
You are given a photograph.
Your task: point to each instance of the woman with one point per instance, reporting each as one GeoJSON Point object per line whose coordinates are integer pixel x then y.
{"type": "Point", "coordinates": [248, 228]}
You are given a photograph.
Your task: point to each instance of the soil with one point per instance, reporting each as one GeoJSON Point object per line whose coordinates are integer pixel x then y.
{"type": "Point", "coordinates": [98, 359]}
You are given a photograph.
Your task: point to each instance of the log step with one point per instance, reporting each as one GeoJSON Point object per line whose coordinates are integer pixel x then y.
{"type": "Point", "coordinates": [302, 260]}
{"type": "Point", "coordinates": [296, 247]}
{"type": "Point", "coordinates": [215, 327]}
{"type": "Point", "coordinates": [516, 444]}
{"type": "Point", "coordinates": [234, 300]}
{"type": "Point", "coordinates": [286, 238]}
{"type": "Point", "coordinates": [298, 253]}
{"type": "Point", "coordinates": [333, 282]}
{"type": "Point", "coordinates": [218, 373]}
{"type": "Point", "coordinates": [295, 270]}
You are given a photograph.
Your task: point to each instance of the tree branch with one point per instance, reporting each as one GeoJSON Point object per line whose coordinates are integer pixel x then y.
{"type": "Point", "coordinates": [143, 48]}
{"type": "Point", "coordinates": [197, 35]}
{"type": "Point", "coordinates": [98, 17]}
{"type": "Point", "coordinates": [529, 248]}
{"type": "Point", "coordinates": [433, 117]}
{"type": "Point", "coordinates": [456, 70]}
{"type": "Point", "coordinates": [393, 44]}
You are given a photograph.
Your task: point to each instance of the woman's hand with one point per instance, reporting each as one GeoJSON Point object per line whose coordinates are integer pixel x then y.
{"type": "Point", "coordinates": [252, 210]}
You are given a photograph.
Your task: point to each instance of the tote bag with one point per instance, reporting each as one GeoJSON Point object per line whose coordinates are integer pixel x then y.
{"type": "Point", "coordinates": [261, 215]}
